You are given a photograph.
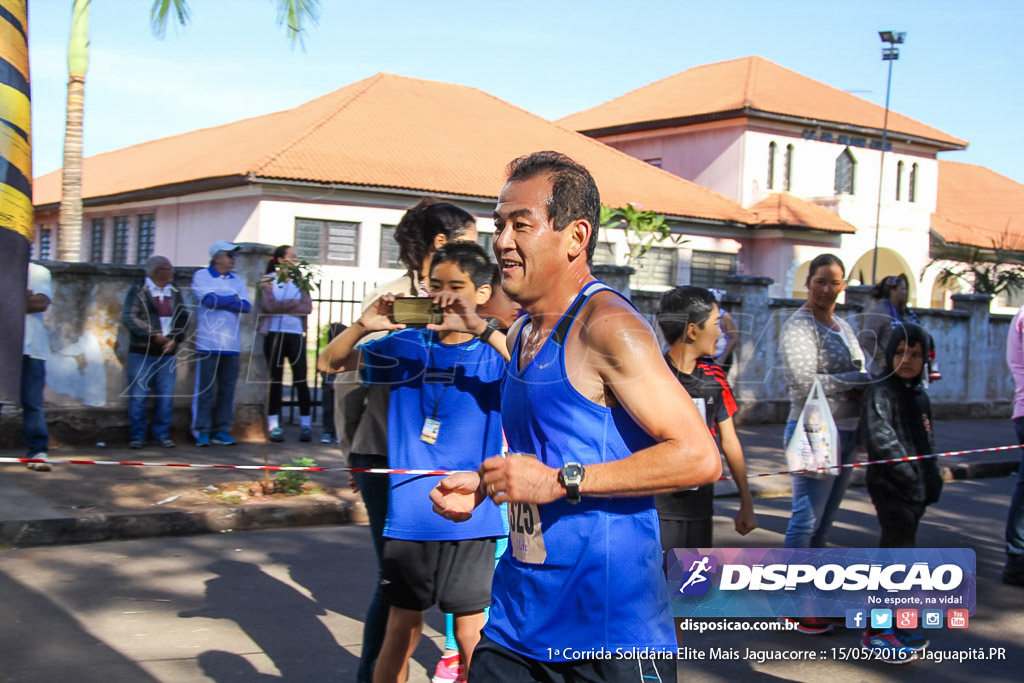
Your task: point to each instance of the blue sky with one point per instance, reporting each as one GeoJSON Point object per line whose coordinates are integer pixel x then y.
{"type": "Point", "coordinates": [958, 71]}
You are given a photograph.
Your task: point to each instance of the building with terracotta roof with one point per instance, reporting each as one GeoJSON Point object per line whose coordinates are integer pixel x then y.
{"type": "Point", "coordinates": [334, 175]}
{"type": "Point", "coordinates": [789, 148]}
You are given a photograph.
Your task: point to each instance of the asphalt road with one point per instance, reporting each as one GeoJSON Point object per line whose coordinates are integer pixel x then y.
{"type": "Point", "coordinates": [287, 605]}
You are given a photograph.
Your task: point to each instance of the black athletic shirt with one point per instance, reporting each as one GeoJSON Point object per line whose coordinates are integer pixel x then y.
{"type": "Point", "coordinates": [710, 391]}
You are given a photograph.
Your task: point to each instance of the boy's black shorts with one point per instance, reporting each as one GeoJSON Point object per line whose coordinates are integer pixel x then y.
{"type": "Point", "coordinates": [454, 574]}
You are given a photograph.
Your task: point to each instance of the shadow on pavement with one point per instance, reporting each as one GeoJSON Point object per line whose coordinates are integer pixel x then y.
{"type": "Point", "coordinates": [301, 647]}
{"type": "Point", "coordinates": [40, 642]}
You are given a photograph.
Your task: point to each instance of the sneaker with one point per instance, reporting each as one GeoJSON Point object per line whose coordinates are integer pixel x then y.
{"type": "Point", "coordinates": [1013, 573]}
{"type": "Point", "coordinates": [136, 444]}
{"type": "Point", "coordinates": [223, 439]}
{"type": "Point", "coordinates": [809, 625]}
{"type": "Point", "coordinates": [327, 437]}
{"type": "Point", "coordinates": [449, 669]}
{"type": "Point", "coordinates": [167, 443]}
{"type": "Point", "coordinates": [306, 434]}
{"type": "Point", "coordinates": [885, 646]}
{"type": "Point", "coordinates": [914, 641]}
{"type": "Point", "coordinates": [277, 435]}
{"type": "Point", "coordinates": [203, 440]}
{"type": "Point", "coordinates": [39, 466]}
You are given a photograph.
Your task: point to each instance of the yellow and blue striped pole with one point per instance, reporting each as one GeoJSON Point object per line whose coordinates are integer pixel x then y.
{"type": "Point", "coordinates": [16, 216]}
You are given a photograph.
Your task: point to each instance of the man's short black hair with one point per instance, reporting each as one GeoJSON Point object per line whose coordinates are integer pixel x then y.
{"type": "Point", "coordinates": [469, 257]}
{"type": "Point", "coordinates": [681, 306]}
{"type": "Point", "coordinates": [574, 193]}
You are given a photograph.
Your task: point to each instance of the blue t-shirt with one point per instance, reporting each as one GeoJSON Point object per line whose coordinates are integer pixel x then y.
{"type": "Point", "coordinates": [459, 386]}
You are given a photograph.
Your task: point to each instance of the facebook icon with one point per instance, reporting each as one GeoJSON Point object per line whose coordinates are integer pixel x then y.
{"type": "Point", "coordinates": [856, 618]}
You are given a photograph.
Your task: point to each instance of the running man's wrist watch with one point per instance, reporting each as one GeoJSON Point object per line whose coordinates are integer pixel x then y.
{"type": "Point", "coordinates": [571, 476]}
{"type": "Point", "coordinates": [492, 327]}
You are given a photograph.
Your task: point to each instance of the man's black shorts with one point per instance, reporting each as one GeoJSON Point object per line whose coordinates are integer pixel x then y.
{"type": "Point", "coordinates": [454, 574]}
{"type": "Point", "coordinates": [493, 663]}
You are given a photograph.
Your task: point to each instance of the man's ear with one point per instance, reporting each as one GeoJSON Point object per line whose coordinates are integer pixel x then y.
{"type": "Point", "coordinates": [580, 231]}
{"type": "Point", "coordinates": [483, 294]}
{"type": "Point", "coordinates": [690, 335]}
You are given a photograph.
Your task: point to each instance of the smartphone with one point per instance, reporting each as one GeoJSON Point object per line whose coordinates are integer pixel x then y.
{"type": "Point", "coordinates": [416, 311]}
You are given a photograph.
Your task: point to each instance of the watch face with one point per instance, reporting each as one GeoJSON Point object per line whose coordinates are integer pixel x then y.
{"type": "Point", "coordinates": [573, 471]}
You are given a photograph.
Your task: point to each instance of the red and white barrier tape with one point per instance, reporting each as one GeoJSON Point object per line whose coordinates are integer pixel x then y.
{"type": "Point", "coordinates": [883, 462]}
{"type": "Point", "coordinates": [385, 470]}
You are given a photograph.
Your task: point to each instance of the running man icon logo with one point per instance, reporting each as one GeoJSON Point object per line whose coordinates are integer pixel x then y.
{"type": "Point", "coordinates": [695, 581]}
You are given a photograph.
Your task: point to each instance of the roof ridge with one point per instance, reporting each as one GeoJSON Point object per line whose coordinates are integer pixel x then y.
{"type": "Point", "coordinates": [270, 158]}
{"type": "Point", "coordinates": [748, 84]}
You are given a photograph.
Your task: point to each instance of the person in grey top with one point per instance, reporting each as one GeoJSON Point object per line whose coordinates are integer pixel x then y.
{"type": "Point", "coordinates": [817, 344]}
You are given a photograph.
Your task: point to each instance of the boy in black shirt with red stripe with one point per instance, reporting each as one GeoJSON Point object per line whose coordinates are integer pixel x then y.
{"type": "Point", "coordinates": [688, 317]}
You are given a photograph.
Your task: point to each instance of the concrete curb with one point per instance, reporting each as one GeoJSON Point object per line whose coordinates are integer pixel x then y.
{"type": "Point", "coordinates": [109, 527]}
{"type": "Point", "coordinates": [131, 525]}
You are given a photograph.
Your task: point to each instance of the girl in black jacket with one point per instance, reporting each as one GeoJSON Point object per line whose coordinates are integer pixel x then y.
{"type": "Point", "coordinates": [897, 423]}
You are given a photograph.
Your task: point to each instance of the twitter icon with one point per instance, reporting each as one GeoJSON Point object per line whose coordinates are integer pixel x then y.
{"type": "Point", "coordinates": [881, 618]}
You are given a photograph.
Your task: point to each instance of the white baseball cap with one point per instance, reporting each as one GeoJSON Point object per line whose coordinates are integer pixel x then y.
{"type": "Point", "coordinates": [222, 245]}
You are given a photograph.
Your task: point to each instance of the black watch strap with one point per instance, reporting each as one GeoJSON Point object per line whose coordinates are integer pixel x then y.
{"type": "Point", "coordinates": [492, 327]}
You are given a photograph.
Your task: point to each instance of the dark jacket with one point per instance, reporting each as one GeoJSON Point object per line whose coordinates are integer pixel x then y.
{"type": "Point", "coordinates": [897, 423]}
{"type": "Point", "coordinates": [141, 319]}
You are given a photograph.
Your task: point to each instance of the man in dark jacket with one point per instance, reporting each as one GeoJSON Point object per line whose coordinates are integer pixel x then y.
{"type": "Point", "coordinates": [156, 318]}
{"type": "Point", "coordinates": [897, 422]}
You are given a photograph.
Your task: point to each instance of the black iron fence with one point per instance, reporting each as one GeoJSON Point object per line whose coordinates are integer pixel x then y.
{"type": "Point", "coordinates": [336, 301]}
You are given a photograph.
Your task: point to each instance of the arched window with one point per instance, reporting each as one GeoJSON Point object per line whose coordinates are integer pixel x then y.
{"type": "Point", "coordinates": [771, 166]}
{"type": "Point", "coordinates": [912, 190]}
{"type": "Point", "coordinates": [899, 179]}
{"type": "Point", "coordinates": [845, 167]}
{"type": "Point", "coordinates": [787, 170]}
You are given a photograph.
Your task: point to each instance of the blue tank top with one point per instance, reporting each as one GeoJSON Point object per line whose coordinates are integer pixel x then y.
{"type": "Point", "coordinates": [600, 586]}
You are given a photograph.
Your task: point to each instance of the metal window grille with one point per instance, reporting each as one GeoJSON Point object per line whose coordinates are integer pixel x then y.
{"type": "Point", "coordinates": [604, 254]}
{"type": "Point", "coordinates": [334, 243]}
{"type": "Point", "coordinates": [787, 171]}
{"type": "Point", "coordinates": [656, 268]}
{"type": "Point", "coordinates": [147, 237]}
{"type": "Point", "coordinates": [845, 166]}
{"type": "Point", "coordinates": [96, 247]}
{"type": "Point", "coordinates": [389, 248]}
{"type": "Point", "coordinates": [45, 243]}
{"type": "Point", "coordinates": [120, 255]}
{"type": "Point", "coordinates": [710, 268]}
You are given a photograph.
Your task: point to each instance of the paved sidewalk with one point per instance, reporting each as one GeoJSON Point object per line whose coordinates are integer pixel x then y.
{"type": "Point", "coordinates": [80, 503]}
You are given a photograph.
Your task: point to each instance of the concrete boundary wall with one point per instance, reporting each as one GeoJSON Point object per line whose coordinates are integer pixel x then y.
{"type": "Point", "coordinates": [970, 344]}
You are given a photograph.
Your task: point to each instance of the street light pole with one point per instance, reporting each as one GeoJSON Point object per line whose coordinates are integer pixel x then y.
{"type": "Point", "coordinates": [889, 54]}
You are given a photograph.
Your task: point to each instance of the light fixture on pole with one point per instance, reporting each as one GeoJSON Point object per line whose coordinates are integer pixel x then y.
{"type": "Point", "coordinates": [889, 54]}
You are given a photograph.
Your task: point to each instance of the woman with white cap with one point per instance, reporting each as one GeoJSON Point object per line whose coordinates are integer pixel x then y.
{"type": "Point", "coordinates": [221, 296]}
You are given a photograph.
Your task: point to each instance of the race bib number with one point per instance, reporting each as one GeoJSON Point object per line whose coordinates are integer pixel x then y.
{"type": "Point", "coordinates": [525, 536]}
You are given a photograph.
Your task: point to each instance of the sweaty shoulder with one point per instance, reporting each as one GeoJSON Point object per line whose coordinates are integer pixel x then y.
{"type": "Point", "coordinates": [608, 322]}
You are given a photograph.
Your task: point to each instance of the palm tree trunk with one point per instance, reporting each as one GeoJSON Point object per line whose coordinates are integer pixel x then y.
{"type": "Point", "coordinates": [69, 235]}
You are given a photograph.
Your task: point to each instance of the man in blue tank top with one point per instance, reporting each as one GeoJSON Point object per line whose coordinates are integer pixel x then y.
{"type": "Point", "coordinates": [596, 425]}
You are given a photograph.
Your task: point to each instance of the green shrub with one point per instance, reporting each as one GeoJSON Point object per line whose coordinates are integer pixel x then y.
{"type": "Point", "coordinates": [290, 482]}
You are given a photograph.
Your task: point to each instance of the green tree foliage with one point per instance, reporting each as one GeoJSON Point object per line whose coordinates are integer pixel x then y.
{"type": "Point", "coordinates": [643, 229]}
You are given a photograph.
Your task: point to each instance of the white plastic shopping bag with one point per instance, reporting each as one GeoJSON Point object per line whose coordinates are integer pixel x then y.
{"type": "Point", "coordinates": [815, 441]}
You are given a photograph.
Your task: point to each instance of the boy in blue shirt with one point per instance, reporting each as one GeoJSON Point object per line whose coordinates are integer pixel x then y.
{"type": "Point", "coordinates": [444, 413]}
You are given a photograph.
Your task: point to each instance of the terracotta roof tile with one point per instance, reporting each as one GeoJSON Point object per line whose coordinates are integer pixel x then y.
{"type": "Point", "coordinates": [785, 210]}
{"type": "Point", "coordinates": [750, 82]}
{"type": "Point", "coordinates": [978, 207]}
{"type": "Point", "coordinates": [390, 131]}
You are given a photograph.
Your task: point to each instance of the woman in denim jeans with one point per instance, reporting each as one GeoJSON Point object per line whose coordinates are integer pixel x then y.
{"type": "Point", "coordinates": [817, 344]}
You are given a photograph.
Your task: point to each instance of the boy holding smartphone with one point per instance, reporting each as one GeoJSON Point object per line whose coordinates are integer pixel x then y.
{"type": "Point", "coordinates": [444, 413]}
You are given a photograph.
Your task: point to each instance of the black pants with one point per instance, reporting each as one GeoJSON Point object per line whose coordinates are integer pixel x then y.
{"type": "Point", "coordinates": [899, 521]}
{"type": "Point", "coordinates": [278, 347]}
{"type": "Point", "coordinates": [691, 533]}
